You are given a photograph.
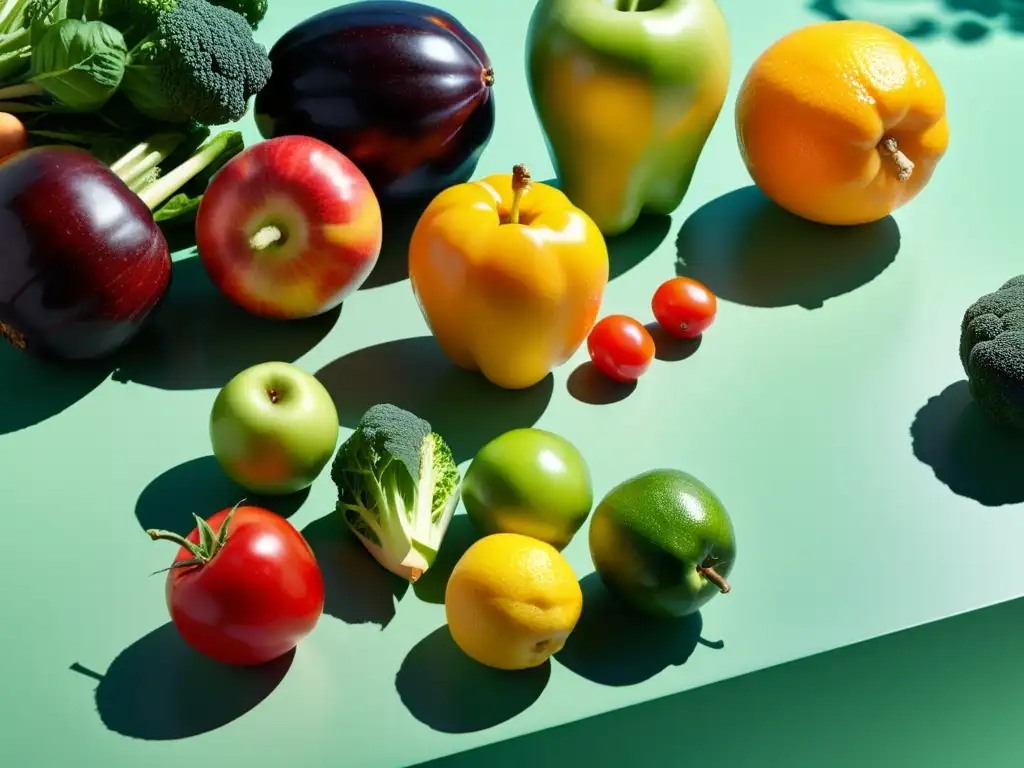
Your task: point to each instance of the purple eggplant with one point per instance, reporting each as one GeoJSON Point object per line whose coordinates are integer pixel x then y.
{"type": "Point", "coordinates": [402, 89]}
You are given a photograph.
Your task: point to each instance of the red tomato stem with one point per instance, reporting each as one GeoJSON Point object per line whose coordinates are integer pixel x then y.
{"type": "Point", "coordinates": [210, 541]}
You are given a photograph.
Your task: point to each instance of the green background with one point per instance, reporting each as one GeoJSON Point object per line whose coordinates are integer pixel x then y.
{"type": "Point", "coordinates": [826, 407]}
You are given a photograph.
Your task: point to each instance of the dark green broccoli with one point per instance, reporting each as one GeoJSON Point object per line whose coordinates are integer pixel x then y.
{"type": "Point", "coordinates": [398, 486]}
{"type": "Point", "coordinates": [145, 12]}
{"type": "Point", "coordinates": [252, 11]}
{"type": "Point", "coordinates": [992, 353]}
{"type": "Point", "coordinates": [200, 64]}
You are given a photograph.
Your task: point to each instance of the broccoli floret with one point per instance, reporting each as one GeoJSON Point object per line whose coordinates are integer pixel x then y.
{"type": "Point", "coordinates": [252, 11]}
{"type": "Point", "coordinates": [141, 12]}
{"type": "Point", "coordinates": [145, 12]}
{"type": "Point", "coordinates": [398, 486]}
{"type": "Point", "coordinates": [201, 63]}
{"type": "Point", "coordinates": [992, 353]}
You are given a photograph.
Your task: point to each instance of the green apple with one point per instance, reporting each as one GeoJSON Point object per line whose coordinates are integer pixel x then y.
{"type": "Point", "coordinates": [274, 427]}
{"type": "Point", "coordinates": [531, 482]}
{"type": "Point", "coordinates": [627, 92]}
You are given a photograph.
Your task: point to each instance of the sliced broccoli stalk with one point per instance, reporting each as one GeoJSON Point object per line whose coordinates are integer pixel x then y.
{"type": "Point", "coordinates": [992, 353]}
{"type": "Point", "coordinates": [398, 486]}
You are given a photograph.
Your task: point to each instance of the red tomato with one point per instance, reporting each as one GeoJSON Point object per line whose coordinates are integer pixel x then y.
{"type": "Point", "coordinates": [251, 599]}
{"type": "Point", "coordinates": [621, 348]}
{"type": "Point", "coordinates": [684, 307]}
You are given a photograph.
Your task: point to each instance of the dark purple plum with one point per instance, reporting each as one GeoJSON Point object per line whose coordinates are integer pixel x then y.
{"type": "Point", "coordinates": [82, 263]}
{"type": "Point", "coordinates": [402, 89]}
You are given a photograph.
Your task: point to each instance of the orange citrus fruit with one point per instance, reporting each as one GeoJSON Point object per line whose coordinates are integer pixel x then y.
{"type": "Point", "coordinates": [841, 122]}
{"type": "Point", "coordinates": [512, 601]}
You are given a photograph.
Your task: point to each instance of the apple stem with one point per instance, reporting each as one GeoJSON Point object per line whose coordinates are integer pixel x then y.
{"type": "Point", "coordinates": [715, 578]}
{"type": "Point", "coordinates": [890, 148]}
{"type": "Point", "coordinates": [14, 336]}
{"type": "Point", "coordinates": [520, 185]}
{"type": "Point", "coordinates": [631, 8]}
{"type": "Point", "coordinates": [266, 237]}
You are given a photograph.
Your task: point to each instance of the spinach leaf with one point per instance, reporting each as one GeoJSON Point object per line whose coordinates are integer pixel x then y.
{"type": "Point", "coordinates": [79, 63]}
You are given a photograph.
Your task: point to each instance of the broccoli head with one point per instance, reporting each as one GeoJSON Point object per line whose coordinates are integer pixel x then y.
{"type": "Point", "coordinates": [252, 10]}
{"type": "Point", "coordinates": [992, 353]}
{"type": "Point", "coordinates": [398, 486]}
{"type": "Point", "coordinates": [201, 63]}
{"type": "Point", "coordinates": [145, 12]}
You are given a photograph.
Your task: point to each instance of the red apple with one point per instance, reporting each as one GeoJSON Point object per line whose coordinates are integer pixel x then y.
{"type": "Point", "coordinates": [289, 228]}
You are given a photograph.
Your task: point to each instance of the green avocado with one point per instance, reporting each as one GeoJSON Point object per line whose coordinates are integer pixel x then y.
{"type": "Point", "coordinates": [663, 542]}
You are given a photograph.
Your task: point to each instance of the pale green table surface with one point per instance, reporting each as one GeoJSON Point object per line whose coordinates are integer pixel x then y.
{"type": "Point", "coordinates": [826, 407]}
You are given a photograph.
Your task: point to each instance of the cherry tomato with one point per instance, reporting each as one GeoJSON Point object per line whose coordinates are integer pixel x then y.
{"type": "Point", "coordinates": [246, 589]}
{"type": "Point", "coordinates": [684, 307]}
{"type": "Point", "coordinates": [621, 348]}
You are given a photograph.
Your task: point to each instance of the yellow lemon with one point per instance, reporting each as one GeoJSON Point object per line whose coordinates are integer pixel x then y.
{"type": "Point", "coordinates": [512, 601]}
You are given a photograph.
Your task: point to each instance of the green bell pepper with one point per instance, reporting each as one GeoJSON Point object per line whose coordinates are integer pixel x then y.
{"type": "Point", "coordinates": [627, 92]}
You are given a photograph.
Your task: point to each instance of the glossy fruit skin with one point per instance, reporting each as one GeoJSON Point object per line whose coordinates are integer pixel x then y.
{"type": "Point", "coordinates": [512, 601]}
{"type": "Point", "coordinates": [513, 301]}
{"type": "Point", "coordinates": [256, 599]}
{"type": "Point", "coordinates": [83, 265]}
{"type": "Point", "coordinates": [532, 482]}
{"type": "Point", "coordinates": [621, 348]}
{"type": "Point", "coordinates": [824, 161]}
{"type": "Point", "coordinates": [401, 88]}
{"type": "Point", "coordinates": [684, 307]}
{"type": "Point", "coordinates": [627, 100]}
{"type": "Point", "coordinates": [273, 428]}
{"type": "Point", "coordinates": [323, 205]}
{"type": "Point", "coordinates": [650, 533]}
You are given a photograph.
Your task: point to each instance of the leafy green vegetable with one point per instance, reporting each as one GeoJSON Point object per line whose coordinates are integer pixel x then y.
{"type": "Point", "coordinates": [79, 63]}
{"type": "Point", "coordinates": [181, 209]}
{"type": "Point", "coordinates": [200, 63]}
{"type": "Point", "coordinates": [398, 486]}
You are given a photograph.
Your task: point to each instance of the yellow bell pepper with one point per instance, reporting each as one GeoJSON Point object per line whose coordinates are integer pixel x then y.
{"type": "Point", "coordinates": [509, 276]}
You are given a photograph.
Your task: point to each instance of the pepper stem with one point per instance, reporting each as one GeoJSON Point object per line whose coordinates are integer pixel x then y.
{"type": "Point", "coordinates": [890, 148]}
{"type": "Point", "coordinates": [715, 578]}
{"type": "Point", "coordinates": [520, 185]}
{"type": "Point", "coordinates": [632, 6]}
{"type": "Point", "coordinates": [210, 541]}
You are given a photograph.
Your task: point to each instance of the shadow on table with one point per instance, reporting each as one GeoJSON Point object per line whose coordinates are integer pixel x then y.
{"type": "Point", "coordinates": [199, 339]}
{"type": "Point", "coordinates": [462, 406]}
{"type": "Point", "coordinates": [968, 453]}
{"type": "Point", "coordinates": [669, 348]}
{"type": "Point", "coordinates": [35, 390]}
{"type": "Point", "coordinates": [588, 385]}
{"type": "Point", "coordinates": [843, 709]}
{"type": "Point", "coordinates": [399, 221]}
{"type": "Point", "coordinates": [158, 688]}
{"type": "Point", "coordinates": [748, 250]}
{"type": "Point", "coordinates": [200, 487]}
{"type": "Point", "coordinates": [449, 692]}
{"type": "Point", "coordinates": [614, 645]}
{"type": "Point", "coordinates": [357, 589]}
{"type": "Point", "coordinates": [629, 249]}
{"type": "Point", "coordinates": [461, 535]}
{"type": "Point", "coordinates": [964, 21]}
